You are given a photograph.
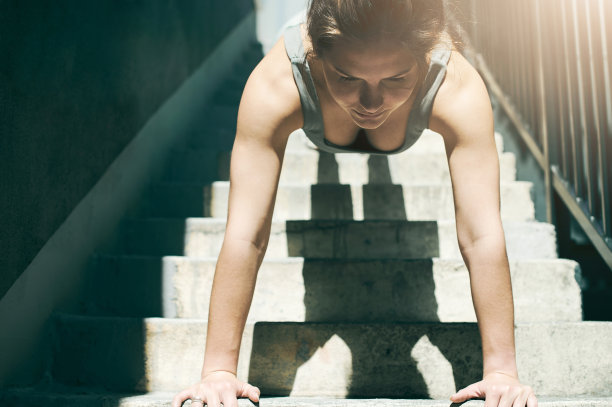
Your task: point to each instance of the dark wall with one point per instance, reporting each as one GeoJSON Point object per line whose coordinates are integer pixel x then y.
{"type": "Point", "coordinates": [78, 80]}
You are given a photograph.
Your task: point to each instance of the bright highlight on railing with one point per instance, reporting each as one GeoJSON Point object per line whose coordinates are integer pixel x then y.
{"type": "Point", "coordinates": [549, 62]}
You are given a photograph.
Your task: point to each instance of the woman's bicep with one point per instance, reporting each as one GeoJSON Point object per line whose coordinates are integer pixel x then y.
{"type": "Point", "coordinates": [465, 121]}
{"type": "Point", "coordinates": [266, 118]}
{"type": "Point", "coordinates": [254, 171]}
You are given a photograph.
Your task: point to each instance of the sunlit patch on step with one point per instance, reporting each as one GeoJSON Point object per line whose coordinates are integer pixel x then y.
{"type": "Point", "coordinates": [437, 372]}
{"type": "Point", "coordinates": [329, 370]}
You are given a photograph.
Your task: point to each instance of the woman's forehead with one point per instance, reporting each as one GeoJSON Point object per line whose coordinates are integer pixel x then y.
{"type": "Point", "coordinates": [354, 57]}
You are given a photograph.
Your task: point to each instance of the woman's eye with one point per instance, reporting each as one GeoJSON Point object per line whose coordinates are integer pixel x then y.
{"type": "Point", "coordinates": [347, 79]}
{"type": "Point", "coordinates": [400, 82]}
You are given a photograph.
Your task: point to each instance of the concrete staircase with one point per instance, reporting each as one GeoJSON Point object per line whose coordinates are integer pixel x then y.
{"type": "Point", "coordinates": [362, 293]}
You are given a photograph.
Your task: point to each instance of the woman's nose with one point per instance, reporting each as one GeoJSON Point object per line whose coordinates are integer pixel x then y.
{"type": "Point", "coordinates": [370, 98]}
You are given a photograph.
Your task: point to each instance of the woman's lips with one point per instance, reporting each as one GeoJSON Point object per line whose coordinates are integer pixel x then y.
{"type": "Point", "coordinates": [369, 115]}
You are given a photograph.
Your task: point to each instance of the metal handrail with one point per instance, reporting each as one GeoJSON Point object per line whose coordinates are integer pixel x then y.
{"type": "Point", "coordinates": [549, 63]}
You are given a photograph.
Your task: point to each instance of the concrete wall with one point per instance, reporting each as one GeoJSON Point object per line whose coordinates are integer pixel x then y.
{"type": "Point", "coordinates": [78, 80]}
{"type": "Point", "coordinates": [92, 97]}
{"type": "Point", "coordinates": [272, 15]}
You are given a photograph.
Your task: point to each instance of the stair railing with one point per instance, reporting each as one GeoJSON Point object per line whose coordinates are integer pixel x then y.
{"type": "Point", "coordinates": [549, 64]}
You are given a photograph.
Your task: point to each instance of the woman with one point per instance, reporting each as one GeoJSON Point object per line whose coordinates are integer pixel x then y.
{"type": "Point", "coordinates": [364, 76]}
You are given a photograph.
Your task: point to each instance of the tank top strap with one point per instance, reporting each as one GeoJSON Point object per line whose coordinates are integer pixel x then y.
{"type": "Point", "coordinates": [438, 61]}
{"type": "Point", "coordinates": [293, 44]}
{"type": "Point", "coordinates": [313, 121]}
{"type": "Point", "coordinates": [423, 104]}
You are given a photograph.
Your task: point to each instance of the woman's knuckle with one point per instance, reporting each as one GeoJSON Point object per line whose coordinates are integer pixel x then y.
{"type": "Point", "coordinates": [228, 395]}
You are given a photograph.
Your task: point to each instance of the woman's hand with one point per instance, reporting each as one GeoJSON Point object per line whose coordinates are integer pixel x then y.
{"type": "Point", "coordinates": [499, 390]}
{"type": "Point", "coordinates": [215, 388]}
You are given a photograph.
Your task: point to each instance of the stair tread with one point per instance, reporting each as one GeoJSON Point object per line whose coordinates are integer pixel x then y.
{"type": "Point", "coordinates": [307, 359]}
{"type": "Point", "coordinates": [296, 184]}
{"type": "Point", "coordinates": [83, 397]}
{"type": "Point", "coordinates": [333, 290]}
{"type": "Point", "coordinates": [81, 318]}
{"type": "Point", "coordinates": [342, 201]}
{"type": "Point", "coordinates": [338, 238]}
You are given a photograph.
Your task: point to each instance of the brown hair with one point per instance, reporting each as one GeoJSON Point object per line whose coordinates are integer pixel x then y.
{"type": "Point", "coordinates": [417, 24]}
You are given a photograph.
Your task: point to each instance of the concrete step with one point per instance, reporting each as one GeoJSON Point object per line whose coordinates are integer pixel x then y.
{"type": "Point", "coordinates": [424, 165]}
{"type": "Point", "coordinates": [333, 201]}
{"type": "Point", "coordinates": [369, 201]}
{"type": "Point", "coordinates": [429, 142]}
{"type": "Point", "coordinates": [369, 239]}
{"type": "Point", "coordinates": [196, 166]}
{"type": "Point", "coordinates": [404, 168]}
{"type": "Point", "coordinates": [298, 289]}
{"type": "Point", "coordinates": [330, 359]}
{"type": "Point", "coordinates": [227, 96]}
{"type": "Point", "coordinates": [85, 398]}
{"type": "Point", "coordinates": [216, 139]}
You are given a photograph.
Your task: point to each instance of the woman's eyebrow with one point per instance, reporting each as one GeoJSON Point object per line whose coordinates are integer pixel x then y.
{"type": "Point", "coordinates": [341, 71]}
{"type": "Point", "coordinates": [393, 76]}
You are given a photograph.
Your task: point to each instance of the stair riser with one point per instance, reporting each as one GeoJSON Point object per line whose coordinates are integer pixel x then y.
{"type": "Point", "coordinates": [335, 291]}
{"type": "Point", "coordinates": [203, 237]}
{"type": "Point", "coordinates": [422, 202]}
{"type": "Point", "coordinates": [429, 142]}
{"type": "Point", "coordinates": [340, 360]}
{"type": "Point", "coordinates": [388, 202]}
{"type": "Point", "coordinates": [217, 139]}
{"type": "Point", "coordinates": [423, 163]}
{"type": "Point", "coordinates": [199, 166]}
{"type": "Point", "coordinates": [313, 168]}
{"type": "Point", "coordinates": [162, 399]}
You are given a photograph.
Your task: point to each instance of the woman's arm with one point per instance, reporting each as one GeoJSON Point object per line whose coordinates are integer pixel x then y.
{"type": "Point", "coordinates": [269, 112]}
{"type": "Point", "coordinates": [462, 114]}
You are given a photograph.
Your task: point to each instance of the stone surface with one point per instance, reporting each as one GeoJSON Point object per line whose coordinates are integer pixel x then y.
{"type": "Point", "coordinates": [312, 167]}
{"type": "Point", "coordinates": [202, 237]}
{"type": "Point", "coordinates": [372, 308]}
{"type": "Point", "coordinates": [297, 289]}
{"type": "Point", "coordinates": [398, 360]}
{"type": "Point", "coordinates": [335, 201]}
{"type": "Point", "coordinates": [85, 398]}
{"type": "Point", "coordinates": [429, 142]}
{"type": "Point", "coordinates": [373, 201]}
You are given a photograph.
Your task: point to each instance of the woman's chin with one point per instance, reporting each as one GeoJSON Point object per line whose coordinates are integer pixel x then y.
{"type": "Point", "coordinates": [368, 126]}
{"type": "Point", "coordinates": [369, 123]}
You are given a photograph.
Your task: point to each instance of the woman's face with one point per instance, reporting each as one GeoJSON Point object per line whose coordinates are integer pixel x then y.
{"type": "Point", "coordinates": [370, 80]}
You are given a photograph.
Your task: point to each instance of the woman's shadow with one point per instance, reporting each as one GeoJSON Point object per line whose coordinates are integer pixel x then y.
{"type": "Point", "coordinates": [372, 325]}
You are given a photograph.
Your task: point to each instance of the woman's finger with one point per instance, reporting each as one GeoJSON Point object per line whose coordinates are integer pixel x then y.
{"type": "Point", "coordinates": [180, 398]}
{"type": "Point", "coordinates": [521, 400]}
{"type": "Point", "coordinates": [472, 391]}
{"type": "Point", "coordinates": [212, 400]}
{"type": "Point", "coordinates": [492, 399]}
{"type": "Point", "coordinates": [229, 400]}
{"type": "Point", "coordinates": [509, 396]}
{"type": "Point", "coordinates": [249, 391]}
{"type": "Point", "coordinates": [197, 402]}
{"type": "Point", "coordinates": [532, 401]}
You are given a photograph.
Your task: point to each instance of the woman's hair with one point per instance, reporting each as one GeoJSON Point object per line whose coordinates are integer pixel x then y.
{"type": "Point", "coordinates": [417, 24]}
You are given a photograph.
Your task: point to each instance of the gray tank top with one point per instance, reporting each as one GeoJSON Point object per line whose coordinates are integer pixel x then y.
{"type": "Point", "coordinates": [418, 120]}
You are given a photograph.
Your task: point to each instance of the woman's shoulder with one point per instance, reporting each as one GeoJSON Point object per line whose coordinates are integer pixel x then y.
{"type": "Point", "coordinates": [270, 93]}
{"type": "Point", "coordinates": [462, 97]}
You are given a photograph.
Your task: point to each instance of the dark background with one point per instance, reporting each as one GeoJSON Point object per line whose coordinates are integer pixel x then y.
{"type": "Point", "coordinates": [78, 80]}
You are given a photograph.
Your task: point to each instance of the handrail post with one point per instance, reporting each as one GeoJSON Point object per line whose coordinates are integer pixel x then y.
{"type": "Point", "coordinates": [542, 125]}
{"type": "Point", "coordinates": [578, 189]}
